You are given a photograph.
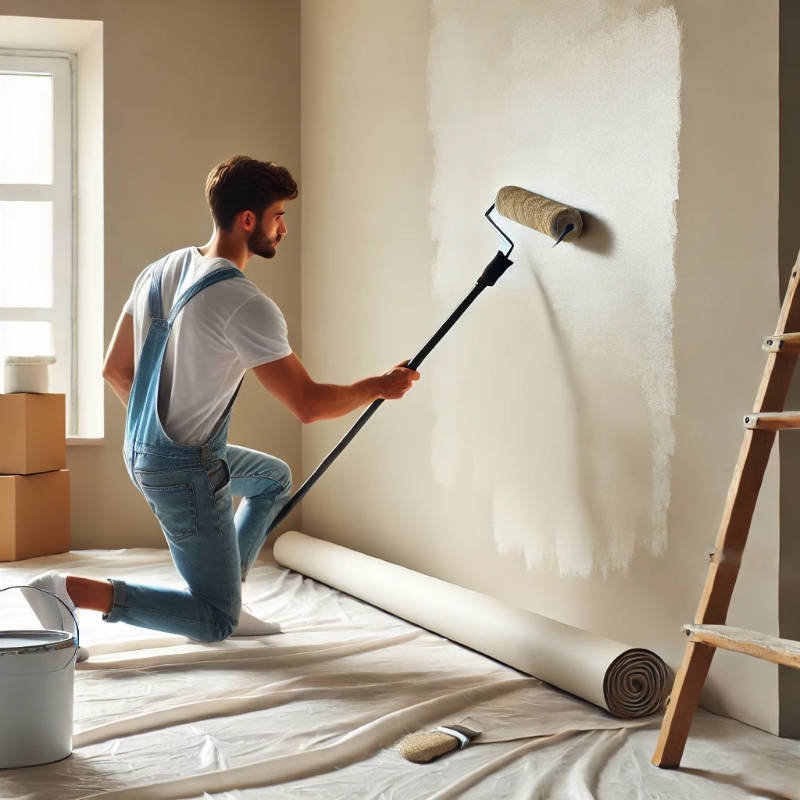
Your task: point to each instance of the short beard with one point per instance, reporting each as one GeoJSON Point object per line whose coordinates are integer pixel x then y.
{"type": "Point", "coordinates": [260, 244]}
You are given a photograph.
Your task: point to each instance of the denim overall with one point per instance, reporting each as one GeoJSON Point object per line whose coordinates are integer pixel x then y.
{"type": "Point", "coordinates": [190, 489]}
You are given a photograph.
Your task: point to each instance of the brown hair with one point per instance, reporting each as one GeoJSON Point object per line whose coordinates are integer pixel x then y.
{"type": "Point", "coordinates": [241, 183]}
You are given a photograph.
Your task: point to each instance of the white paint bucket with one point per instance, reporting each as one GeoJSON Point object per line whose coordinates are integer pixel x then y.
{"type": "Point", "coordinates": [26, 374]}
{"type": "Point", "coordinates": [37, 671]}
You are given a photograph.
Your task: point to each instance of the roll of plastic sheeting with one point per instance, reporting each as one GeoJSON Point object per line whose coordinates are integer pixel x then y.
{"type": "Point", "coordinates": [626, 681]}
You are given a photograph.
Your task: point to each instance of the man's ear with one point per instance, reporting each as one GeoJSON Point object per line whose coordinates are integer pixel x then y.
{"type": "Point", "coordinates": [247, 219]}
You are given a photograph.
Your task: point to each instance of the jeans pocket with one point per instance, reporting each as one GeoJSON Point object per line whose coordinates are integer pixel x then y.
{"type": "Point", "coordinates": [219, 477]}
{"type": "Point", "coordinates": [219, 482]}
{"type": "Point", "coordinates": [175, 507]}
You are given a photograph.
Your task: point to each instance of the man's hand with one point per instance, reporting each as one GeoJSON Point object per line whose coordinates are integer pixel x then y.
{"type": "Point", "coordinates": [397, 381]}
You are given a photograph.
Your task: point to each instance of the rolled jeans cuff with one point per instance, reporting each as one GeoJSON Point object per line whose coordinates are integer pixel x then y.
{"type": "Point", "coordinates": [115, 612]}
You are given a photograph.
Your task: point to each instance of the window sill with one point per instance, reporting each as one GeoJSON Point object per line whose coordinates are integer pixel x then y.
{"type": "Point", "coordinates": [84, 441]}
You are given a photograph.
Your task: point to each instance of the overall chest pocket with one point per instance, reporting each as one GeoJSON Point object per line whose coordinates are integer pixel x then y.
{"type": "Point", "coordinates": [175, 506]}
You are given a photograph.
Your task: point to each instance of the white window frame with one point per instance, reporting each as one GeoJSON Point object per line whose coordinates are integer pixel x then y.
{"type": "Point", "coordinates": [62, 316]}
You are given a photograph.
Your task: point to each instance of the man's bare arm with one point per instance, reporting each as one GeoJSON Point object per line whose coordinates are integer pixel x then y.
{"type": "Point", "coordinates": [288, 380]}
{"type": "Point", "coordinates": [119, 365]}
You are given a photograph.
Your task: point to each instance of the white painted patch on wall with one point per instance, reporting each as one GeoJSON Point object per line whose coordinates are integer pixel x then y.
{"type": "Point", "coordinates": [556, 393]}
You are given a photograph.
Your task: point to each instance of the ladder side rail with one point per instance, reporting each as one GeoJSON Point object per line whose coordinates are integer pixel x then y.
{"type": "Point", "coordinates": [731, 538]}
{"type": "Point", "coordinates": [749, 471]}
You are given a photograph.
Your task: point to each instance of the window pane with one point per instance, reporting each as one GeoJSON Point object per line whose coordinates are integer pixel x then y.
{"type": "Point", "coordinates": [26, 134]}
{"type": "Point", "coordinates": [26, 339]}
{"type": "Point", "coordinates": [26, 254]}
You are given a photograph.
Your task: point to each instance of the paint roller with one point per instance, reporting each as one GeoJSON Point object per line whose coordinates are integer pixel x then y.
{"type": "Point", "coordinates": [540, 213]}
{"type": "Point", "coordinates": [547, 216]}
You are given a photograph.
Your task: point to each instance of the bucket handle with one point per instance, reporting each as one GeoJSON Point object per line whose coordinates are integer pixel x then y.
{"type": "Point", "coordinates": [69, 611]}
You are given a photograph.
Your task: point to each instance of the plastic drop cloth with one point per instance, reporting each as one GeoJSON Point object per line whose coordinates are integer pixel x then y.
{"type": "Point", "coordinates": [315, 711]}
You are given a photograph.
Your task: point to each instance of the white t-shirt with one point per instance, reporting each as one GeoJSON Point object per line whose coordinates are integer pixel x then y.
{"type": "Point", "coordinates": [222, 331]}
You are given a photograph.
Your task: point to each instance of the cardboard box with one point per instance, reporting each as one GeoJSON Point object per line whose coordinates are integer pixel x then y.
{"type": "Point", "coordinates": [32, 433]}
{"type": "Point", "coordinates": [34, 515]}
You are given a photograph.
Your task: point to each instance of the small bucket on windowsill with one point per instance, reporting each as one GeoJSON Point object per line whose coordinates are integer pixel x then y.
{"type": "Point", "coordinates": [27, 374]}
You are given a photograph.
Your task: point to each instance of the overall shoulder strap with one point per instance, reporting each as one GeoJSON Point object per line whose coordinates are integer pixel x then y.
{"type": "Point", "coordinates": [155, 290]}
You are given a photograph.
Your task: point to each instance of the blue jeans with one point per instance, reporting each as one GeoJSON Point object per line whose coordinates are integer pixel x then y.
{"type": "Point", "coordinates": [212, 547]}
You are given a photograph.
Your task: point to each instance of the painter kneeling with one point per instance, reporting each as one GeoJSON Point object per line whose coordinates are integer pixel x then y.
{"type": "Point", "coordinates": [192, 326]}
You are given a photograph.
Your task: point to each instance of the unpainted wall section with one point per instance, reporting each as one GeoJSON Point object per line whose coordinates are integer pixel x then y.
{"type": "Point", "coordinates": [571, 442]}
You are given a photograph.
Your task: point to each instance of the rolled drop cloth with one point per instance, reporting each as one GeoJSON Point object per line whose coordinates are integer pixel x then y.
{"type": "Point", "coordinates": [628, 682]}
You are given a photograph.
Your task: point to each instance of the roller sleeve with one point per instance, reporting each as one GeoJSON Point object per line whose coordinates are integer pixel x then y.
{"type": "Point", "coordinates": [540, 213]}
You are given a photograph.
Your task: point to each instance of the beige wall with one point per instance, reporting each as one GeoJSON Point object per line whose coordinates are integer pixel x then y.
{"type": "Point", "coordinates": [372, 292]}
{"type": "Point", "coordinates": [186, 84]}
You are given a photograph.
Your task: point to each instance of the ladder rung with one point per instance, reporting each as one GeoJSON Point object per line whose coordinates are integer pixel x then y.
{"type": "Point", "coordinates": [773, 420]}
{"type": "Point", "coordinates": [782, 343]}
{"type": "Point", "coordinates": [752, 643]}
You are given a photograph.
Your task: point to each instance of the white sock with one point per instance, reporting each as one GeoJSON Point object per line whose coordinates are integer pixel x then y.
{"type": "Point", "coordinates": [250, 625]}
{"type": "Point", "coordinates": [49, 612]}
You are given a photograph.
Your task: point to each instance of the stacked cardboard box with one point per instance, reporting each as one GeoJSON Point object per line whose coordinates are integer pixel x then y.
{"type": "Point", "coordinates": [34, 481]}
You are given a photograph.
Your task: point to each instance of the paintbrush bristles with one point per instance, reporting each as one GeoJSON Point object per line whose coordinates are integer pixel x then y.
{"type": "Point", "coordinates": [425, 746]}
{"type": "Point", "coordinates": [540, 213]}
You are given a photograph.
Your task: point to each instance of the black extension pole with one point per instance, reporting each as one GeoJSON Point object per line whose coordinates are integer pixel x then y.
{"type": "Point", "coordinates": [497, 266]}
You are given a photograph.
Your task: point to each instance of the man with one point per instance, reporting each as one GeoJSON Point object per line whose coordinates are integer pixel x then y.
{"type": "Point", "coordinates": [191, 328]}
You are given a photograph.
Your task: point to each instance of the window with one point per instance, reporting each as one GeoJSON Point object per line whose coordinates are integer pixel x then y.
{"type": "Point", "coordinates": [37, 229]}
{"type": "Point", "coordinates": [51, 207]}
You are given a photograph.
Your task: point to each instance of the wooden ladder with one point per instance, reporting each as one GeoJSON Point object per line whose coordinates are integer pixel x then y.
{"type": "Point", "coordinates": [709, 630]}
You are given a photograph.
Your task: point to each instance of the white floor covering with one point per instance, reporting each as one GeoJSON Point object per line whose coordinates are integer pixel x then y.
{"type": "Point", "coordinates": [315, 712]}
